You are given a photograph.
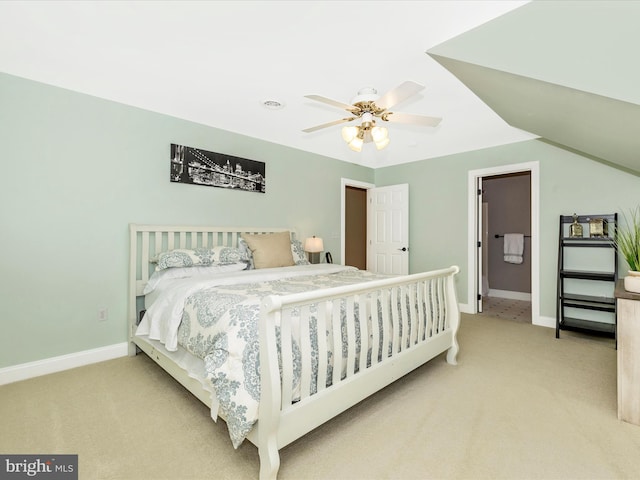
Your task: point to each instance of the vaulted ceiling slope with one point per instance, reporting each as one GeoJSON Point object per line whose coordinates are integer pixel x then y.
{"type": "Point", "coordinates": [564, 70]}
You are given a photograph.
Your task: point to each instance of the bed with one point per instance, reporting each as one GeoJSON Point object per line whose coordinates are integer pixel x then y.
{"type": "Point", "coordinates": [278, 347]}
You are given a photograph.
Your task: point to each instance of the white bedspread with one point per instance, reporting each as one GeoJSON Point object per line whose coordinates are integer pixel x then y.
{"type": "Point", "coordinates": [163, 316]}
{"type": "Point", "coordinates": [216, 319]}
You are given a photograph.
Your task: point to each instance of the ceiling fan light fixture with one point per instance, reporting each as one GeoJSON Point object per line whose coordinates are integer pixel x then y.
{"type": "Point", "coordinates": [356, 142]}
{"type": "Point", "coordinates": [379, 133]}
{"type": "Point", "coordinates": [349, 133]}
{"type": "Point", "coordinates": [369, 107]}
{"type": "Point", "coordinates": [380, 136]}
{"type": "Point", "coordinates": [380, 144]}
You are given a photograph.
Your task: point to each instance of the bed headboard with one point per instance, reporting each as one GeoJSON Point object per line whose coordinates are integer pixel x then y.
{"type": "Point", "coordinates": [147, 241]}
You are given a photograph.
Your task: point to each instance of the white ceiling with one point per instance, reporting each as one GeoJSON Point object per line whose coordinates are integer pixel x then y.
{"type": "Point", "coordinates": [215, 62]}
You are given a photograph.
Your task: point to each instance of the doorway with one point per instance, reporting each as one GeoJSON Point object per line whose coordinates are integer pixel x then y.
{"type": "Point", "coordinates": [355, 227]}
{"type": "Point", "coordinates": [480, 274]}
{"type": "Point", "coordinates": [506, 222]}
{"type": "Point", "coordinates": [359, 242]}
{"type": "Point", "coordinates": [385, 213]}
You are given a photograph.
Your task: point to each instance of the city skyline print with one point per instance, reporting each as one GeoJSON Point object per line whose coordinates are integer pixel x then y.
{"type": "Point", "coordinates": [201, 167]}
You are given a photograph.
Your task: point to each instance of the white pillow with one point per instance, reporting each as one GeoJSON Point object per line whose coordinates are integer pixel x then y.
{"type": "Point", "coordinates": [182, 257]}
{"type": "Point", "coordinates": [297, 250]}
{"type": "Point", "coordinates": [188, 272]}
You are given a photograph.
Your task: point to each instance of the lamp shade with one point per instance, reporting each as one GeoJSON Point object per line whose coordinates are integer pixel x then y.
{"type": "Point", "coordinates": [380, 144]}
{"type": "Point", "coordinates": [349, 133]}
{"type": "Point", "coordinates": [356, 144]}
{"type": "Point", "coordinates": [379, 133]}
{"type": "Point", "coordinates": [313, 245]}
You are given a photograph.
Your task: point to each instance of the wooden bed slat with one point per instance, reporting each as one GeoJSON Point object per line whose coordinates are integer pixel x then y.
{"type": "Point", "coordinates": [363, 322]}
{"type": "Point", "coordinates": [351, 337]}
{"type": "Point", "coordinates": [336, 332]}
{"type": "Point", "coordinates": [324, 313]}
{"type": "Point", "coordinates": [305, 352]}
{"type": "Point", "coordinates": [376, 331]}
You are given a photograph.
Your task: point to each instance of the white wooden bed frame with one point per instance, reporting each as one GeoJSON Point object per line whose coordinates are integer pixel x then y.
{"type": "Point", "coordinates": [426, 333]}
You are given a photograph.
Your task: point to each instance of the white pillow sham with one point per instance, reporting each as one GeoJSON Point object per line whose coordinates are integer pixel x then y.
{"type": "Point", "coordinates": [182, 257]}
{"type": "Point", "coordinates": [188, 272]}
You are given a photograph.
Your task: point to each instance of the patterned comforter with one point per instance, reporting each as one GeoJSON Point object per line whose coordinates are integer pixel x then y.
{"type": "Point", "coordinates": [219, 324]}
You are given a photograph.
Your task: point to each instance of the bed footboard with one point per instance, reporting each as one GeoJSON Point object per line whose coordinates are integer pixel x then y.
{"type": "Point", "coordinates": [322, 352]}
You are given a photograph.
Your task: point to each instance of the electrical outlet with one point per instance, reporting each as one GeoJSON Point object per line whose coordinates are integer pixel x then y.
{"type": "Point", "coordinates": [103, 314]}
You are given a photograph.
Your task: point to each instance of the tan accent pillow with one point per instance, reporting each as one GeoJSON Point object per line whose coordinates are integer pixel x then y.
{"type": "Point", "coordinates": [270, 249]}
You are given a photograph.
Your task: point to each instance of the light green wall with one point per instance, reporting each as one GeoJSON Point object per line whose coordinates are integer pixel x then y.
{"type": "Point", "coordinates": [76, 170]}
{"type": "Point", "coordinates": [438, 191]}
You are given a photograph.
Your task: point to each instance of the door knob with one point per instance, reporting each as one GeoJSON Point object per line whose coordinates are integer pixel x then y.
{"type": "Point", "coordinates": [404, 249]}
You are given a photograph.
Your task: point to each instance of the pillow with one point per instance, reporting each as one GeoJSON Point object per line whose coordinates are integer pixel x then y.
{"type": "Point", "coordinates": [182, 257]}
{"type": "Point", "coordinates": [297, 250]}
{"type": "Point", "coordinates": [230, 255]}
{"type": "Point", "coordinates": [187, 272]}
{"type": "Point", "coordinates": [246, 251]}
{"type": "Point", "coordinates": [270, 249]}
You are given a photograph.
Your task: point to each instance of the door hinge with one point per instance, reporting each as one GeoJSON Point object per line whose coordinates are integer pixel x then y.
{"type": "Point", "coordinates": [479, 192]}
{"type": "Point", "coordinates": [479, 297]}
{"type": "Point", "coordinates": [479, 244]}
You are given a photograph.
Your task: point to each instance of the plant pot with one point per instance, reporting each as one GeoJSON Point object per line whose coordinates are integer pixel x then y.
{"type": "Point", "coordinates": [632, 282]}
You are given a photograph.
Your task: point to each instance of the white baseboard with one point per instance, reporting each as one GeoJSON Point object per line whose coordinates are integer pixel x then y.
{"type": "Point", "coordinates": [465, 308]}
{"type": "Point", "coordinates": [545, 322]}
{"type": "Point", "coordinates": [509, 294]}
{"type": "Point", "coordinates": [24, 371]}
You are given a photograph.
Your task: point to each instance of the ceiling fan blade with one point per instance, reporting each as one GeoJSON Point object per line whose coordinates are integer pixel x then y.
{"type": "Point", "coordinates": [411, 118]}
{"type": "Point", "coordinates": [333, 103]}
{"type": "Point", "coordinates": [398, 94]}
{"type": "Point", "coordinates": [330, 124]}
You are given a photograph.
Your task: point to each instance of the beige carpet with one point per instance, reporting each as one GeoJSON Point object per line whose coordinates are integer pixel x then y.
{"type": "Point", "coordinates": [520, 405]}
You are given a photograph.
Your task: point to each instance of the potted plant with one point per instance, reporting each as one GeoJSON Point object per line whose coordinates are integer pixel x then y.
{"type": "Point", "coordinates": [628, 242]}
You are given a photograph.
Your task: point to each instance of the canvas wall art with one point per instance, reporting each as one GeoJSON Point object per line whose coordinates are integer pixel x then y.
{"type": "Point", "coordinates": [200, 167]}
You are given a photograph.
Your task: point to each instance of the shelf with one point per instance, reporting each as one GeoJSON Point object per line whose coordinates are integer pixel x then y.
{"type": "Point", "coordinates": [586, 275]}
{"type": "Point", "coordinates": [594, 303]}
{"type": "Point", "coordinates": [581, 325]}
{"type": "Point", "coordinates": [589, 302]}
{"type": "Point", "coordinates": [595, 242]}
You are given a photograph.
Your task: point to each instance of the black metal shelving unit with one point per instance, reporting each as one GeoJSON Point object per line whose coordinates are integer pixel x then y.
{"type": "Point", "coordinates": [586, 302]}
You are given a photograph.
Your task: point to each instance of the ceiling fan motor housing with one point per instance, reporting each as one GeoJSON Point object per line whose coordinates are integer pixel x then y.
{"type": "Point", "coordinates": [366, 94]}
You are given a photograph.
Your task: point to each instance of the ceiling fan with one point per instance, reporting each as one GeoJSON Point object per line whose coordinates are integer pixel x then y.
{"type": "Point", "coordinates": [369, 106]}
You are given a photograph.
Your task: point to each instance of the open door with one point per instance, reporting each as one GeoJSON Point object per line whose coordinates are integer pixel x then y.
{"type": "Point", "coordinates": [388, 229]}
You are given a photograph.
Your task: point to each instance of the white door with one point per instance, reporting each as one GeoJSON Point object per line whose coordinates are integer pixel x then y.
{"type": "Point", "coordinates": [388, 229]}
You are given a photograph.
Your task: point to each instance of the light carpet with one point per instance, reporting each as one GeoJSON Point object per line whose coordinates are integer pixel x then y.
{"type": "Point", "coordinates": [520, 404]}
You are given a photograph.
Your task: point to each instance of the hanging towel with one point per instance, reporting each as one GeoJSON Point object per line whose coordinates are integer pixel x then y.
{"type": "Point", "coordinates": [513, 247]}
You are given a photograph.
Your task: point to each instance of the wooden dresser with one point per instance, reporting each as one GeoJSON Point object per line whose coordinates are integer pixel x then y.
{"type": "Point", "coordinates": [628, 307]}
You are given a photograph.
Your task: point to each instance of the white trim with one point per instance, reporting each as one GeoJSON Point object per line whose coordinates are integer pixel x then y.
{"type": "Point", "coordinates": [534, 169]}
{"type": "Point", "coordinates": [546, 322]}
{"type": "Point", "coordinates": [526, 296]}
{"type": "Point", "coordinates": [346, 182]}
{"type": "Point", "coordinates": [465, 308]}
{"type": "Point", "coordinates": [64, 362]}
